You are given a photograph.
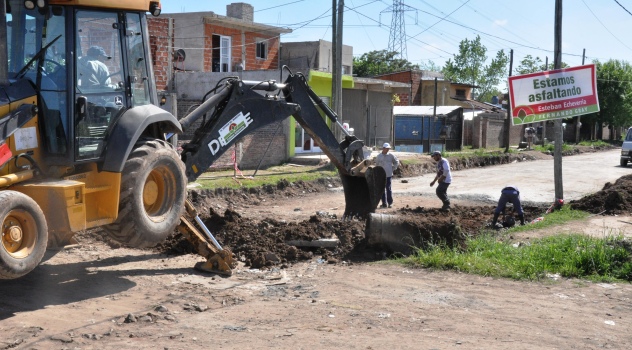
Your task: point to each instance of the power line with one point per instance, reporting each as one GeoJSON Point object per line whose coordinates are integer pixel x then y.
{"type": "Point", "coordinates": [603, 25]}
{"type": "Point", "coordinates": [626, 10]}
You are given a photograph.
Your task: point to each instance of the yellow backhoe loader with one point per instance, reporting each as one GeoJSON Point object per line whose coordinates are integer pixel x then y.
{"type": "Point", "coordinates": [84, 145]}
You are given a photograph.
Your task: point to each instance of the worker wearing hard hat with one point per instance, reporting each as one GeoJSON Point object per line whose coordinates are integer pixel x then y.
{"type": "Point", "coordinates": [389, 162]}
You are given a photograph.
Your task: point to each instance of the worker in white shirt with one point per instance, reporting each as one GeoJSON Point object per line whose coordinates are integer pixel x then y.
{"type": "Point", "coordinates": [389, 162]}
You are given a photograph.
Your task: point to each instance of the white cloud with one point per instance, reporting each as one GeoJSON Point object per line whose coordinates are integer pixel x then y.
{"type": "Point", "coordinates": [501, 22]}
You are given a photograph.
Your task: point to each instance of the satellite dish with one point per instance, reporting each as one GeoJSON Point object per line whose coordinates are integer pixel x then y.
{"type": "Point", "coordinates": [179, 55]}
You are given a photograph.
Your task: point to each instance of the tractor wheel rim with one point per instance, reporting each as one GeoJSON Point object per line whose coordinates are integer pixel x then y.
{"type": "Point", "coordinates": [19, 234]}
{"type": "Point", "coordinates": [155, 192]}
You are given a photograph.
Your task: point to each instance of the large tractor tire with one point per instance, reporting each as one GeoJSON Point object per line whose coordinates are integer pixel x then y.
{"type": "Point", "coordinates": [153, 192]}
{"type": "Point", "coordinates": [24, 234]}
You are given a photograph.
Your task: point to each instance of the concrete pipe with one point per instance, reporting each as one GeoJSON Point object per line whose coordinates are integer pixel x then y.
{"type": "Point", "coordinates": [393, 232]}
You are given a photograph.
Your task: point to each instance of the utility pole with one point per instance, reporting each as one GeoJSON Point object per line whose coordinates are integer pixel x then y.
{"type": "Point", "coordinates": [559, 136]}
{"type": "Point", "coordinates": [578, 122]}
{"type": "Point", "coordinates": [543, 124]}
{"type": "Point", "coordinates": [336, 76]}
{"type": "Point", "coordinates": [508, 120]}
{"type": "Point", "coordinates": [334, 55]}
{"type": "Point", "coordinates": [339, 23]}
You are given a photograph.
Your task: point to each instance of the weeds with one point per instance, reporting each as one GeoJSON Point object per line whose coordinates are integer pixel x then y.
{"type": "Point", "coordinates": [225, 179]}
{"type": "Point", "coordinates": [596, 143]}
{"type": "Point", "coordinates": [550, 147]}
{"type": "Point", "coordinates": [574, 255]}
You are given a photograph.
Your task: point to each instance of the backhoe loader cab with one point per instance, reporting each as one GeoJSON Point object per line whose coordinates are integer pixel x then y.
{"type": "Point", "coordinates": [82, 144]}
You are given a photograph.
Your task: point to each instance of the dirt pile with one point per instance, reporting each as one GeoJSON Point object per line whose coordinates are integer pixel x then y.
{"type": "Point", "coordinates": [423, 164]}
{"type": "Point", "coordinates": [262, 241]}
{"type": "Point", "coordinates": [269, 242]}
{"type": "Point", "coordinates": [613, 199]}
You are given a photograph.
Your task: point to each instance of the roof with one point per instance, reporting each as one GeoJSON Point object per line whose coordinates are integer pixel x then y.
{"type": "Point", "coordinates": [238, 23]}
{"type": "Point", "coordinates": [424, 74]}
{"type": "Point", "coordinates": [466, 85]}
{"type": "Point", "coordinates": [424, 110]}
{"type": "Point", "coordinates": [210, 17]}
{"type": "Point", "coordinates": [380, 85]}
{"type": "Point", "coordinates": [480, 105]}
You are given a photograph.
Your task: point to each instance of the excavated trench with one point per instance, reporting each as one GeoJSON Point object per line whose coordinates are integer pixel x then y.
{"type": "Point", "coordinates": [269, 242]}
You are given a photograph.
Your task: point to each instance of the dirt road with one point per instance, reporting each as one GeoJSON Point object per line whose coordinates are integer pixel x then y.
{"type": "Point", "coordinates": [582, 174]}
{"type": "Point", "coordinates": [94, 297]}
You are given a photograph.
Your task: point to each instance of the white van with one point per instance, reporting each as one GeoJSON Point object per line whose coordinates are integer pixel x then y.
{"type": "Point", "coordinates": [626, 149]}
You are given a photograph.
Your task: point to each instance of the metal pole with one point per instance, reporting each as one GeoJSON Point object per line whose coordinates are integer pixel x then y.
{"type": "Point", "coordinates": [559, 137]}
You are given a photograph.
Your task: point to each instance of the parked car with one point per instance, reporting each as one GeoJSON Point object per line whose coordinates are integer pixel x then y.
{"type": "Point", "coordinates": [626, 149]}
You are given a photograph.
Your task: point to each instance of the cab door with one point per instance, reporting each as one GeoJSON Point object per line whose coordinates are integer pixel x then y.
{"type": "Point", "coordinates": [100, 86]}
{"type": "Point", "coordinates": [137, 62]}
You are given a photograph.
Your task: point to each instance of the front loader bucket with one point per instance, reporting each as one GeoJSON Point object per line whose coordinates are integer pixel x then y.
{"type": "Point", "coordinates": [363, 194]}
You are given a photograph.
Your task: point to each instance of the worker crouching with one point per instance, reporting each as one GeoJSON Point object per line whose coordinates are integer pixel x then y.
{"type": "Point", "coordinates": [509, 194]}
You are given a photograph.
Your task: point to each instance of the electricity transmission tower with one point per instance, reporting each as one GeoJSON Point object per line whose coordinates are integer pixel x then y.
{"type": "Point", "coordinates": [397, 38]}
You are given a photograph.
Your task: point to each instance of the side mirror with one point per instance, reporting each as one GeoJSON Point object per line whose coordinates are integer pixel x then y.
{"type": "Point", "coordinates": [81, 108]}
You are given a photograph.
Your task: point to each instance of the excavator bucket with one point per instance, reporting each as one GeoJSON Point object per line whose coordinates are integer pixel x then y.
{"type": "Point", "coordinates": [363, 193]}
{"type": "Point", "coordinates": [221, 263]}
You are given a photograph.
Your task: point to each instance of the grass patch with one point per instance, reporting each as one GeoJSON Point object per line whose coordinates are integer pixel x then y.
{"type": "Point", "coordinates": [272, 175]}
{"type": "Point", "coordinates": [575, 255]}
{"type": "Point", "coordinates": [550, 147]}
{"type": "Point", "coordinates": [479, 153]}
{"type": "Point", "coordinates": [558, 217]}
{"type": "Point", "coordinates": [596, 143]}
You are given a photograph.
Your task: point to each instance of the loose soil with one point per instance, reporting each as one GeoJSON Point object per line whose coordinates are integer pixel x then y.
{"type": "Point", "coordinates": [98, 295]}
{"type": "Point", "coordinates": [261, 241]}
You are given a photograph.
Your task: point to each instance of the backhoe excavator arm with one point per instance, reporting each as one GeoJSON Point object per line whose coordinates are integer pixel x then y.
{"type": "Point", "coordinates": [237, 109]}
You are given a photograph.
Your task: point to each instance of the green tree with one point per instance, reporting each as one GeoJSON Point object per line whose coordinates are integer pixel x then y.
{"type": "Point", "coordinates": [468, 67]}
{"type": "Point", "coordinates": [430, 65]}
{"type": "Point", "coordinates": [532, 65]}
{"type": "Point", "coordinates": [614, 88]}
{"type": "Point", "coordinates": [380, 62]}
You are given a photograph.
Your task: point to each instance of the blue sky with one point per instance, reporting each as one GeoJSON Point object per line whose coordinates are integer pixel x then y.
{"type": "Point", "coordinates": [435, 28]}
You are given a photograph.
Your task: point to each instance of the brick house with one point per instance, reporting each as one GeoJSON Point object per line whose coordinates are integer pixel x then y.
{"type": "Point", "coordinates": [215, 46]}
{"type": "Point", "coordinates": [161, 42]}
{"type": "Point", "coordinates": [216, 43]}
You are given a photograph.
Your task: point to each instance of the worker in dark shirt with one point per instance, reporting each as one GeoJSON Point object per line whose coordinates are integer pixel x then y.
{"type": "Point", "coordinates": [509, 194]}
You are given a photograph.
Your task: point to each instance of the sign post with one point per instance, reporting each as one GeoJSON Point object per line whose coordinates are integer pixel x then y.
{"type": "Point", "coordinates": [554, 95]}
